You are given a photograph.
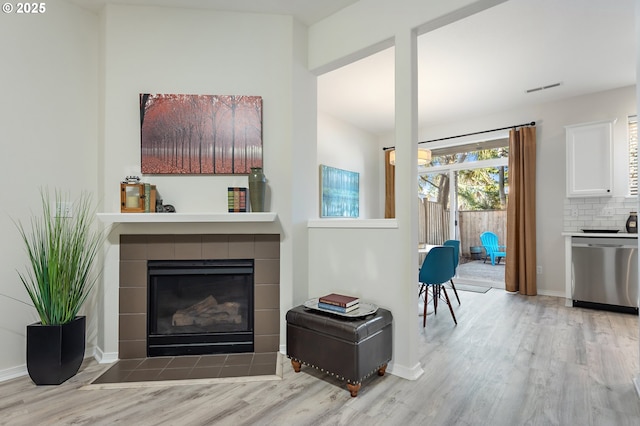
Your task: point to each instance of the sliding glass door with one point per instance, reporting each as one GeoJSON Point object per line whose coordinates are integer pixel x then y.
{"type": "Point", "coordinates": [464, 193]}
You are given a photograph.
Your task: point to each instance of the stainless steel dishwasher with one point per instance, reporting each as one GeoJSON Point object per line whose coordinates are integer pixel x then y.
{"type": "Point", "coordinates": [605, 273]}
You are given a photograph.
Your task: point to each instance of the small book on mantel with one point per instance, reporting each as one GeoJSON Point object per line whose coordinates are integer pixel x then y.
{"type": "Point", "coordinates": [338, 308]}
{"type": "Point", "coordinates": [237, 199]}
{"type": "Point", "coordinates": [339, 300]}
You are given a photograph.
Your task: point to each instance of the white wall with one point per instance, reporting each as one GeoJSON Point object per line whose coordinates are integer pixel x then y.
{"type": "Point", "coordinates": [52, 118]}
{"type": "Point", "coordinates": [550, 120]}
{"type": "Point", "coordinates": [84, 97]}
{"type": "Point", "coordinates": [367, 26]}
{"type": "Point", "coordinates": [48, 129]}
{"type": "Point", "coordinates": [164, 50]}
{"type": "Point", "coordinates": [361, 29]}
{"type": "Point", "coordinates": [346, 147]}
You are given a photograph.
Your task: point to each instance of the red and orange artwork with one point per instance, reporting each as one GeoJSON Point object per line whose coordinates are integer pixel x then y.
{"type": "Point", "coordinates": [200, 134]}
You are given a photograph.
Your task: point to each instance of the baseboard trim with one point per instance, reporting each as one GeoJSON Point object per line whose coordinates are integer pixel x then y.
{"type": "Point", "coordinates": [96, 353]}
{"type": "Point", "coordinates": [104, 357]}
{"type": "Point", "coordinates": [543, 292]}
{"type": "Point", "coordinates": [408, 373]}
{"type": "Point", "coordinates": [13, 372]}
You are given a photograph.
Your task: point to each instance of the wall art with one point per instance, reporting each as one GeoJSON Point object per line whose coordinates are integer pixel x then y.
{"type": "Point", "coordinates": [340, 192]}
{"type": "Point", "coordinates": [200, 134]}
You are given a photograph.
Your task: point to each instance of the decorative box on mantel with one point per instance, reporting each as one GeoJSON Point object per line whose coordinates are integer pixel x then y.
{"type": "Point", "coordinates": [132, 197]}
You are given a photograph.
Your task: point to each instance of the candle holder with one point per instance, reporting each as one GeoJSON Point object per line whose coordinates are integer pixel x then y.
{"type": "Point", "coordinates": [132, 197]}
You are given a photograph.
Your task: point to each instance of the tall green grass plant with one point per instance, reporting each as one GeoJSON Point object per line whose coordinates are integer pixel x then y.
{"type": "Point", "coordinates": [62, 252]}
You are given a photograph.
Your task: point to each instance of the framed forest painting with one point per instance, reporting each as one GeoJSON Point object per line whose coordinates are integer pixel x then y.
{"type": "Point", "coordinates": [340, 192]}
{"type": "Point", "coordinates": [200, 134]}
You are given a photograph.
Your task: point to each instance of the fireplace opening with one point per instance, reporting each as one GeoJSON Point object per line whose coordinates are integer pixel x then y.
{"type": "Point", "coordinates": [198, 307]}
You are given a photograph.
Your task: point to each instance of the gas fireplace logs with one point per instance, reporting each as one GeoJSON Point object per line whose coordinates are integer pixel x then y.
{"type": "Point", "coordinates": [207, 312]}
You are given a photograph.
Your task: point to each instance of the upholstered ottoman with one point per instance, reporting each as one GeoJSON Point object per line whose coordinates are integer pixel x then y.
{"type": "Point", "coordinates": [348, 348]}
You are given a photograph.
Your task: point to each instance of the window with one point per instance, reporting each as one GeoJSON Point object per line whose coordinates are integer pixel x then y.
{"type": "Point", "coordinates": [481, 178]}
{"type": "Point", "coordinates": [478, 151]}
{"type": "Point", "coordinates": [633, 155]}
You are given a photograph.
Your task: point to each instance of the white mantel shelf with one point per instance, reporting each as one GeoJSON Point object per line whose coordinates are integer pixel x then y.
{"type": "Point", "coordinates": [110, 218]}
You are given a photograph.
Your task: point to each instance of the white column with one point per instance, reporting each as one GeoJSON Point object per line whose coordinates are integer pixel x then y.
{"type": "Point", "coordinates": [636, 380]}
{"type": "Point", "coordinates": [406, 138]}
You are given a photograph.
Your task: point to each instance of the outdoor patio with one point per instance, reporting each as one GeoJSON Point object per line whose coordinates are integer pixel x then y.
{"type": "Point", "coordinates": [477, 270]}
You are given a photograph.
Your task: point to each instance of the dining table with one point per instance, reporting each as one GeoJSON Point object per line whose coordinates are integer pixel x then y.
{"type": "Point", "coordinates": [423, 249]}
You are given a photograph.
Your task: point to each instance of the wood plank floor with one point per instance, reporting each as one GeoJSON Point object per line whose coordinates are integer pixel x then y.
{"type": "Point", "coordinates": [512, 360]}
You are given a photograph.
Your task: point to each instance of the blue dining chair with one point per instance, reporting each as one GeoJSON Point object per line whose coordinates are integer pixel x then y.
{"type": "Point", "coordinates": [437, 268]}
{"type": "Point", "coordinates": [456, 257]}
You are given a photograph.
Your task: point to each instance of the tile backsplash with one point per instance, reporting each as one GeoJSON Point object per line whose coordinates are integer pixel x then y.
{"type": "Point", "coordinates": [598, 213]}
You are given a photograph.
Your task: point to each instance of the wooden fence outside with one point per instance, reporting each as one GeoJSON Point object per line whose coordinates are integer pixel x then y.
{"type": "Point", "coordinates": [433, 221]}
{"type": "Point", "coordinates": [473, 223]}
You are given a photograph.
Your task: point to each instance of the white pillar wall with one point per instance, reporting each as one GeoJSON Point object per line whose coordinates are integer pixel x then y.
{"type": "Point", "coordinates": [637, 378]}
{"type": "Point", "coordinates": [406, 137]}
{"type": "Point", "coordinates": [374, 260]}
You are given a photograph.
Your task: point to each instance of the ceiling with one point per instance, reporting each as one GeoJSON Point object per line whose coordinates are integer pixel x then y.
{"type": "Point", "coordinates": [486, 63]}
{"type": "Point", "coordinates": [307, 11]}
{"type": "Point", "coordinates": [474, 67]}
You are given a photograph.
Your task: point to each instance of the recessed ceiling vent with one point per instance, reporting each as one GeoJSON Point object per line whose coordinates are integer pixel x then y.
{"type": "Point", "coordinates": [537, 89]}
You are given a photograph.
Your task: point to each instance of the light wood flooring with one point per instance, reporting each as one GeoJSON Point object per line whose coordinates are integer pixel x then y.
{"type": "Point", "coordinates": [512, 360]}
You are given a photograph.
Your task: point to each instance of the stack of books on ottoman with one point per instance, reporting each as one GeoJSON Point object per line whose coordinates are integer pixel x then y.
{"type": "Point", "coordinates": [338, 303]}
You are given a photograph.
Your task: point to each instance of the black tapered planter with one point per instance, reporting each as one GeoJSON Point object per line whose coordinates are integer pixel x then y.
{"type": "Point", "coordinates": [55, 352]}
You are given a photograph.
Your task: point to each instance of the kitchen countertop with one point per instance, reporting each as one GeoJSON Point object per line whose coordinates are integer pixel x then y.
{"type": "Point", "coordinates": [599, 234]}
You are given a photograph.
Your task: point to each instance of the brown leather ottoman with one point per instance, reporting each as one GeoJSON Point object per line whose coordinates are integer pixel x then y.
{"type": "Point", "coordinates": [348, 348]}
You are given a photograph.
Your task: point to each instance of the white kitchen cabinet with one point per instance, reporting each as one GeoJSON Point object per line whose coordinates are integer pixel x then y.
{"type": "Point", "coordinates": [589, 159]}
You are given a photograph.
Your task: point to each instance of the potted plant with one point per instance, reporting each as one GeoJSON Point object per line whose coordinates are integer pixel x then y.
{"type": "Point", "coordinates": [62, 245]}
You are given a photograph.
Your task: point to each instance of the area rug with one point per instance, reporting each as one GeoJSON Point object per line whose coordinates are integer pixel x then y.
{"type": "Point", "coordinates": [472, 288]}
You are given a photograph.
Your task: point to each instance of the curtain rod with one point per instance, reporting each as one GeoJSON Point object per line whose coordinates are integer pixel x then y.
{"type": "Point", "coordinates": [533, 123]}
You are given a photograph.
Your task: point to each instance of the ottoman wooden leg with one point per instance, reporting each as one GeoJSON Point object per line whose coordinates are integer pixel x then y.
{"type": "Point", "coordinates": [296, 365]}
{"type": "Point", "coordinates": [382, 370]}
{"type": "Point", "coordinates": [353, 389]}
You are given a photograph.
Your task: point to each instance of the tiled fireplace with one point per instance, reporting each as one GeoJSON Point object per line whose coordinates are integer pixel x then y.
{"type": "Point", "coordinates": [137, 250]}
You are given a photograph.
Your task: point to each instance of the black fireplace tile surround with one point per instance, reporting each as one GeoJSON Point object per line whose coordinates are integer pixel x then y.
{"type": "Point", "coordinates": [136, 250]}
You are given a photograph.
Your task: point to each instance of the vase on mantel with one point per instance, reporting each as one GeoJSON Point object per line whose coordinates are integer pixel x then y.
{"type": "Point", "coordinates": [257, 189]}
